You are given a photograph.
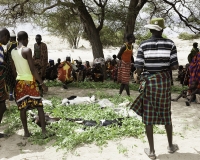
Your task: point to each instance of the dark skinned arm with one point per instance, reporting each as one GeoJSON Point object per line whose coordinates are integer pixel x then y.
{"type": "Point", "coordinates": [13, 69]}
{"type": "Point", "coordinates": [27, 54]}
{"type": "Point", "coordinates": [121, 51]}
{"type": "Point", "coordinates": [194, 92]}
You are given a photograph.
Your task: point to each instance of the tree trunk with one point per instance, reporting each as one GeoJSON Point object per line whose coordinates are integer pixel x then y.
{"type": "Point", "coordinates": [133, 10]}
{"type": "Point", "coordinates": [91, 30]}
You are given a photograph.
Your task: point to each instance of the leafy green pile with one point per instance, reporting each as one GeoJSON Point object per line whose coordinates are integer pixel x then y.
{"type": "Point", "coordinates": [66, 134]}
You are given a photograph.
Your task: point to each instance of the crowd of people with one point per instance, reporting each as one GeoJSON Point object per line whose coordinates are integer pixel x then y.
{"type": "Point", "coordinates": [23, 74]}
{"type": "Point", "coordinates": [75, 71]}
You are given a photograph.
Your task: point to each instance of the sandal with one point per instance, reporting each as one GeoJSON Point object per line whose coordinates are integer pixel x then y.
{"type": "Point", "coordinates": [173, 149]}
{"type": "Point", "coordinates": [151, 156]}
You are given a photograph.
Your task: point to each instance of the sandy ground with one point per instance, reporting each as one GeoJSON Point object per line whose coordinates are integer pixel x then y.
{"type": "Point", "coordinates": [185, 121]}
{"type": "Point", "coordinates": [186, 134]}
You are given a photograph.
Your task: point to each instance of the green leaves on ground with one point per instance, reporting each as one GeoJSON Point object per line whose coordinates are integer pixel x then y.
{"type": "Point", "coordinates": [70, 135]}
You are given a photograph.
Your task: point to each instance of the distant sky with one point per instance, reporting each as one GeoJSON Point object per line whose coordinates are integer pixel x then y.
{"type": "Point", "coordinates": [29, 28]}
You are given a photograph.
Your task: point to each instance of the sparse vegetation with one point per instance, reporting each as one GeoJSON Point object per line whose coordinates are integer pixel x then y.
{"type": "Point", "coordinates": [106, 84]}
{"type": "Point", "coordinates": [70, 135]}
{"type": "Point", "coordinates": [188, 36]}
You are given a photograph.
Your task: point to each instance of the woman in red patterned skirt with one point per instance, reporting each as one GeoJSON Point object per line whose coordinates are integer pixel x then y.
{"type": "Point", "coordinates": [125, 56]}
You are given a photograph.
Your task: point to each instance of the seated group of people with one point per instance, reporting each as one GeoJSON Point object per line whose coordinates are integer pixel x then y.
{"type": "Point", "coordinates": [69, 71]}
{"type": "Point", "coordinates": [190, 76]}
{"type": "Point", "coordinates": [192, 94]}
{"type": "Point", "coordinates": [183, 75]}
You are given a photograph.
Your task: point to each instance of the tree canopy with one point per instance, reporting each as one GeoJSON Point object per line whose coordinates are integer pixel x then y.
{"type": "Point", "coordinates": [100, 18]}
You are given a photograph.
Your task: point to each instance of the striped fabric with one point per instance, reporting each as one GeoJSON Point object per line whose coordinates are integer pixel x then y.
{"type": "Point", "coordinates": [194, 69]}
{"type": "Point", "coordinates": [1, 54]}
{"type": "Point", "coordinates": [154, 102]}
{"type": "Point", "coordinates": [123, 75]}
{"type": "Point", "coordinates": [156, 54]}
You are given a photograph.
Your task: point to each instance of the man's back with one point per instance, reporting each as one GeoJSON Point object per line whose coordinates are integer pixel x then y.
{"type": "Point", "coordinates": [21, 65]}
{"type": "Point", "coordinates": [154, 54]}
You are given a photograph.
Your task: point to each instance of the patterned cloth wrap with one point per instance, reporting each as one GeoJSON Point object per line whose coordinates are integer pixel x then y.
{"type": "Point", "coordinates": [10, 79]}
{"type": "Point", "coordinates": [41, 58]}
{"type": "Point", "coordinates": [123, 75]}
{"type": "Point", "coordinates": [194, 69]}
{"type": "Point", "coordinates": [154, 101]}
{"type": "Point", "coordinates": [65, 72]}
{"type": "Point", "coordinates": [3, 91]}
{"type": "Point", "coordinates": [27, 95]}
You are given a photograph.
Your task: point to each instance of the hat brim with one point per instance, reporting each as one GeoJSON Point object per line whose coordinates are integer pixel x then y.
{"type": "Point", "coordinates": [154, 27]}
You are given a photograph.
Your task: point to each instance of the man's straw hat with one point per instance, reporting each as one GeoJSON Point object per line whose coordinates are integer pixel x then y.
{"type": "Point", "coordinates": [157, 24]}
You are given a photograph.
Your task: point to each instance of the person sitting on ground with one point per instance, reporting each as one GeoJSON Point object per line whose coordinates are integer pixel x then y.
{"type": "Point", "coordinates": [109, 67]}
{"type": "Point", "coordinates": [58, 62]}
{"type": "Point", "coordinates": [97, 73]}
{"type": "Point", "coordinates": [51, 71]}
{"type": "Point", "coordinates": [114, 71]}
{"type": "Point", "coordinates": [180, 69]}
{"type": "Point", "coordinates": [27, 95]}
{"type": "Point", "coordinates": [79, 74]}
{"type": "Point", "coordinates": [88, 70]}
{"type": "Point", "coordinates": [191, 92]}
{"type": "Point", "coordinates": [114, 60]}
{"type": "Point", "coordinates": [187, 75]}
{"type": "Point", "coordinates": [65, 72]}
{"type": "Point", "coordinates": [193, 52]}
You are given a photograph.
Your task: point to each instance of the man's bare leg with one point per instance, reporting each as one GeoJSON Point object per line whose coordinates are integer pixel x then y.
{"type": "Point", "coordinates": [122, 86]}
{"type": "Point", "coordinates": [172, 147]}
{"type": "Point", "coordinates": [24, 122]}
{"type": "Point", "coordinates": [169, 129]}
{"type": "Point", "coordinates": [127, 89]}
{"type": "Point", "coordinates": [176, 99]}
{"type": "Point", "coordinates": [149, 132]}
{"type": "Point", "coordinates": [42, 119]}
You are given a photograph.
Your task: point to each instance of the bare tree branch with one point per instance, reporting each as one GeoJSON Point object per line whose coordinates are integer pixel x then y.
{"type": "Point", "coordinates": [183, 18]}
